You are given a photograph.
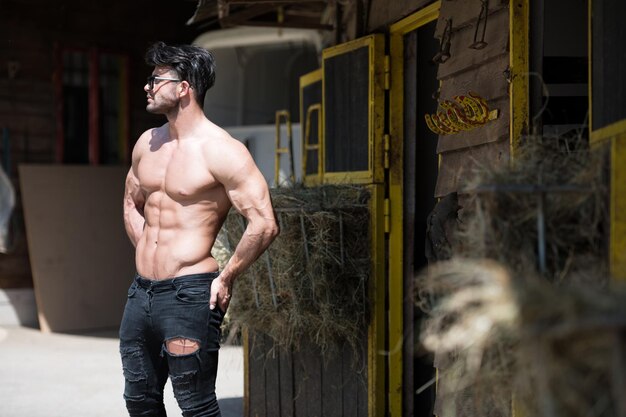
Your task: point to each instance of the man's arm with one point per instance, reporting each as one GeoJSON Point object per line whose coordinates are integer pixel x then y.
{"type": "Point", "coordinates": [247, 190]}
{"type": "Point", "coordinates": [133, 208]}
{"type": "Point", "coordinates": [134, 199]}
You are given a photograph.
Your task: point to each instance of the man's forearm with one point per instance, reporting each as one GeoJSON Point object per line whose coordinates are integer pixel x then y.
{"type": "Point", "coordinates": [249, 248]}
{"type": "Point", "coordinates": [134, 223]}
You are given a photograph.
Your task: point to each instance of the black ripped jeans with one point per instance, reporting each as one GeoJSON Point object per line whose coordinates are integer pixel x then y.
{"type": "Point", "coordinates": [158, 311]}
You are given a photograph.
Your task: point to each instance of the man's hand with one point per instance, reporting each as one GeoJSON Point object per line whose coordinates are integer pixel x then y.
{"type": "Point", "coordinates": [220, 294]}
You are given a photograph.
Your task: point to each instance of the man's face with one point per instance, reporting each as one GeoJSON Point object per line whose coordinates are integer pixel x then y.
{"type": "Point", "coordinates": [162, 91]}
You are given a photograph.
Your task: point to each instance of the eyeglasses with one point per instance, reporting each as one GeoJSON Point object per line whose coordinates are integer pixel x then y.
{"type": "Point", "coordinates": [152, 78]}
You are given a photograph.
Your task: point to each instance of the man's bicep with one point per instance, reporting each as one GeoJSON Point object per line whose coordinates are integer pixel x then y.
{"type": "Point", "coordinates": [246, 188]}
{"type": "Point", "coordinates": [133, 192]}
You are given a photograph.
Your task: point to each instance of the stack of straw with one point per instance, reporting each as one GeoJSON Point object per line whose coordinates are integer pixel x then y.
{"type": "Point", "coordinates": [509, 336]}
{"type": "Point", "coordinates": [311, 284]}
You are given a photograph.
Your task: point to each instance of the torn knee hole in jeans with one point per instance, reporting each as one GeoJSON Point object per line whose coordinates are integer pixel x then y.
{"type": "Point", "coordinates": [179, 346]}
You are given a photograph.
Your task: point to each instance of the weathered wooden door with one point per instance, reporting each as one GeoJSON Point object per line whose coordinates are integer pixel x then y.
{"type": "Point", "coordinates": [413, 174]}
{"type": "Point", "coordinates": [346, 145]}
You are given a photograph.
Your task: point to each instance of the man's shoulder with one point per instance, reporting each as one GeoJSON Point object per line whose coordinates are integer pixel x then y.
{"type": "Point", "coordinates": [218, 138]}
{"type": "Point", "coordinates": [147, 140]}
{"type": "Point", "coordinates": [150, 136]}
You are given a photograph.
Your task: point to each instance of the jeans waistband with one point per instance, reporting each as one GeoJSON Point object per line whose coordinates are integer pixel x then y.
{"type": "Point", "coordinates": [203, 278]}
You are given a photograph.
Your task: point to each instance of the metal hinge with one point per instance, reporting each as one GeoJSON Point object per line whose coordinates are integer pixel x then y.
{"type": "Point", "coordinates": [387, 72]}
{"type": "Point", "coordinates": [387, 215]}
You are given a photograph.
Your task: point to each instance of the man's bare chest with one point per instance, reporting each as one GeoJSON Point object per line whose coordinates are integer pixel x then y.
{"type": "Point", "coordinates": [181, 174]}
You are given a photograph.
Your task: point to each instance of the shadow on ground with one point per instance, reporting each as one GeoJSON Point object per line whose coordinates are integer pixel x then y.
{"type": "Point", "coordinates": [231, 407]}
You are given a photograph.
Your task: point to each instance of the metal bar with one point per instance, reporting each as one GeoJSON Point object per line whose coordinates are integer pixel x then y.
{"type": "Point", "coordinates": [541, 191]}
{"type": "Point", "coordinates": [307, 138]}
{"type": "Point", "coordinates": [482, 17]}
{"type": "Point", "coordinates": [541, 232]}
{"type": "Point", "coordinates": [531, 188]}
{"type": "Point", "coordinates": [292, 165]}
{"type": "Point", "coordinates": [304, 239]}
{"type": "Point", "coordinates": [280, 150]}
{"type": "Point", "coordinates": [268, 262]}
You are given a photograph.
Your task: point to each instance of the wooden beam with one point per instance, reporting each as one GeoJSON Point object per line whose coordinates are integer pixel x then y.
{"type": "Point", "coordinates": [245, 14]}
{"type": "Point", "coordinates": [299, 23]}
{"type": "Point", "coordinates": [278, 2]}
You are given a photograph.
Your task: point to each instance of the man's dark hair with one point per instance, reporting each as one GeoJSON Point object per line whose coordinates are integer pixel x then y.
{"type": "Point", "coordinates": [192, 64]}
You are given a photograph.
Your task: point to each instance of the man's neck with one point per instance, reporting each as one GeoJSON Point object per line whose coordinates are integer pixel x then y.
{"type": "Point", "coordinates": [185, 121]}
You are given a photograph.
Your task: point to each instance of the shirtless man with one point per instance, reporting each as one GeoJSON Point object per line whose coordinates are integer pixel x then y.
{"type": "Point", "coordinates": [185, 176]}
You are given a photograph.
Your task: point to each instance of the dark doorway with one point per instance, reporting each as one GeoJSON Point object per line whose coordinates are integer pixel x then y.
{"type": "Point", "coordinates": [420, 177]}
{"type": "Point", "coordinates": [559, 102]}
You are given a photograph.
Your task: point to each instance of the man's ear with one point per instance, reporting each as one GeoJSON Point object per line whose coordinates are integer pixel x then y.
{"type": "Point", "coordinates": [184, 89]}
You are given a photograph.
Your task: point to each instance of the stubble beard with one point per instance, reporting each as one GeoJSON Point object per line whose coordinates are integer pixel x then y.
{"type": "Point", "coordinates": [165, 107]}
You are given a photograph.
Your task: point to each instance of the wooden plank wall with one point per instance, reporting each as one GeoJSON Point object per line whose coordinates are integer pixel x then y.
{"type": "Point", "coordinates": [483, 71]}
{"type": "Point", "coordinates": [305, 383]}
{"type": "Point", "coordinates": [382, 13]}
{"type": "Point", "coordinates": [29, 31]}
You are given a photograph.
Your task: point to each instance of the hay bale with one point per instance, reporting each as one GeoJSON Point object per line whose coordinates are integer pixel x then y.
{"type": "Point", "coordinates": [500, 327]}
{"type": "Point", "coordinates": [559, 350]}
{"type": "Point", "coordinates": [500, 222]}
{"type": "Point", "coordinates": [311, 284]}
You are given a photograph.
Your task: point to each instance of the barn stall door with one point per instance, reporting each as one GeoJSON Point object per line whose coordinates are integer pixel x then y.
{"type": "Point", "coordinates": [353, 87]}
{"type": "Point", "coordinates": [412, 179]}
{"type": "Point", "coordinates": [608, 114]}
{"type": "Point", "coordinates": [342, 109]}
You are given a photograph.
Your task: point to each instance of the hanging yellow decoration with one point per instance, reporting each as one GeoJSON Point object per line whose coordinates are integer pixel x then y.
{"type": "Point", "coordinates": [464, 113]}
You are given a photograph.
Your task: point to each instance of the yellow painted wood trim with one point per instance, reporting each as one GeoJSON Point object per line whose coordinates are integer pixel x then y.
{"type": "Point", "coordinates": [396, 233]}
{"type": "Point", "coordinates": [353, 177]}
{"type": "Point", "coordinates": [416, 20]}
{"type": "Point", "coordinates": [310, 78]}
{"type": "Point", "coordinates": [376, 330]}
{"type": "Point", "coordinates": [617, 255]}
{"type": "Point", "coordinates": [518, 63]}
{"type": "Point", "coordinates": [376, 111]}
{"type": "Point", "coordinates": [340, 49]}
{"type": "Point", "coordinates": [396, 196]}
{"type": "Point", "coordinates": [611, 131]}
